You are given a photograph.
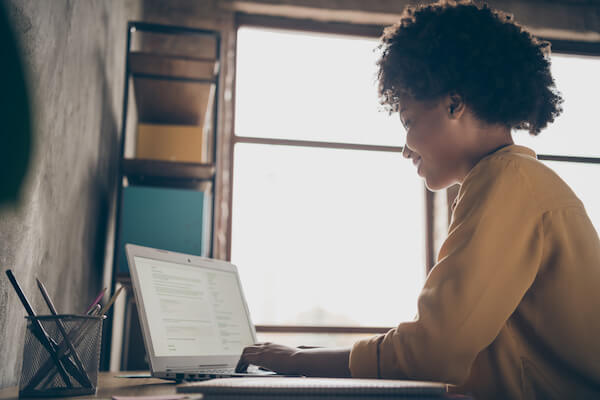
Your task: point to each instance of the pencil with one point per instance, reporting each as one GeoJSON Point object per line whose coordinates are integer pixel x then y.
{"type": "Point", "coordinates": [96, 301]}
{"type": "Point", "coordinates": [104, 310]}
{"type": "Point", "coordinates": [61, 327]}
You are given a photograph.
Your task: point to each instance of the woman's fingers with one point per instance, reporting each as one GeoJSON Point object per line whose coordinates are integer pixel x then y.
{"type": "Point", "coordinates": [250, 352]}
{"type": "Point", "coordinates": [241, 366]}
{"type": "Point", "coordinates": [248, 357]}
{"type": "Point", "coordinates": [268, 355]}
{"type": "Point", "coordinates": [251, 355]}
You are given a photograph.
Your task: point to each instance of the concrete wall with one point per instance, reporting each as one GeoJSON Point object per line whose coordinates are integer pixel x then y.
{"type": "Point", "coordinates": [75, 54]}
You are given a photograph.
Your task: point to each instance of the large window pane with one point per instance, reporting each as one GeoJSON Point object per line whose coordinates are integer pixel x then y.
{"type": "Point", "coordinates": [298, 85]}
{"type": "Point", "coordinates": [576, 131]}
{"type": "Point", "coordinates": [326, 236]}
{"type": "Point", "coordinates": [582, 178]}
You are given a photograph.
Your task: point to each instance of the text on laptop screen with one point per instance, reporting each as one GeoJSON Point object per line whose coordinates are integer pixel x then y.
{"type": "Point", "coordinates": [192, 310]}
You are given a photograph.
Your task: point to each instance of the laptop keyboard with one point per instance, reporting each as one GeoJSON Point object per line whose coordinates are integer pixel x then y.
{"type": "Point", "coordinates": [219, 371]}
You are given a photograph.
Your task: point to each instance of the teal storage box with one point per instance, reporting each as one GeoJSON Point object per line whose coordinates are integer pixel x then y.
{"type": "Point", "coordinates": [164, 218]}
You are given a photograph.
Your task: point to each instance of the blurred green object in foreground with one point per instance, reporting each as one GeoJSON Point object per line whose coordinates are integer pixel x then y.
{"type": "Point", "coordinates": [15, 122]}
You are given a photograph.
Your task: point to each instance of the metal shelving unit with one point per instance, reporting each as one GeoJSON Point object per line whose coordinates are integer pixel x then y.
{"type": "Point", "coordinates": [168, 60]}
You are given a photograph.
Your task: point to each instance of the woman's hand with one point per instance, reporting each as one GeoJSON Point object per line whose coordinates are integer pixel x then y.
{"type": "Point", "coordinates": [306, 360]}
{"type": "Point", "coordinates": [274, 357]}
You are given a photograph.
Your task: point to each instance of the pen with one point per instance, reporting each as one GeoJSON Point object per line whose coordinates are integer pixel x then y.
{"type": "Point", "coordinates": [94, 311]}
{"type": "Point", "coordinates": [43, 335]}
{"type": "Point", "coordinates": [77, 337]}
{"type": "Point", "coordinates": [61, 327]}
{"type": "Point", "coordinates": [96, 301]}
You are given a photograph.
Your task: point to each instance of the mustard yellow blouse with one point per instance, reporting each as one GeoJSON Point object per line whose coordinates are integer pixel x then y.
{"type": "Point", "coordinates": [512, 307]}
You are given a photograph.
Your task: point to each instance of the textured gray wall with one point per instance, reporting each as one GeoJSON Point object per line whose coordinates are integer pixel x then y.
{"type": "Point", "coordinates": [74, 51]}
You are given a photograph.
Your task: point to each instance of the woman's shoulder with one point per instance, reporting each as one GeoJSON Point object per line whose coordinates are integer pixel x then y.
{"type": "Point", "coordinates": [516, 171]}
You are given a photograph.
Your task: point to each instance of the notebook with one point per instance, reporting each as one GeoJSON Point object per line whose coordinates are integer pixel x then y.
{"type": "Point", "coordinates": [314, 388]}
{"type": "Point", "coordinates": [194, 318]}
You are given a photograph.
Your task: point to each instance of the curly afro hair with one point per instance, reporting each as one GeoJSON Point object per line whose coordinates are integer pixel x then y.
{"type": "Point", "coordinates": [500, 70]}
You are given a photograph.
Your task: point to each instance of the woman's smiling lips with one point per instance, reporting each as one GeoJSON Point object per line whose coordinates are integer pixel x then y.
{"type": "Point", "coordinates": [417, 161]}
{"type": "Point", "coordinates": [416, 158]}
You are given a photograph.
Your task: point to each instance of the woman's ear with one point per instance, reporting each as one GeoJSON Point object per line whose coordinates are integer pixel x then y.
{"type": "Point", "coordinates": [454, 105]}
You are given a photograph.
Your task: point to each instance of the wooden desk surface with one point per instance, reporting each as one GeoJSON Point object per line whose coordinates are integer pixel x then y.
{"type": "Point", "coordinates": [109, 385]}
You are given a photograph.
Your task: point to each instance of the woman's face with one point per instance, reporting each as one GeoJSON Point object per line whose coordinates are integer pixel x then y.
{"type": "Point", "coordinates": [434, 141]}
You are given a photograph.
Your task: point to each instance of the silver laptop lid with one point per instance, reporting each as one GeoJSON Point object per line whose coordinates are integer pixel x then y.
{"type": "Point", "coordinates": [192, 310]}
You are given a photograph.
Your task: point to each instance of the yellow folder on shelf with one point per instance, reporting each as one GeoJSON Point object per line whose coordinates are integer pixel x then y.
{"type": "Point", "coordinates": [181, 143]}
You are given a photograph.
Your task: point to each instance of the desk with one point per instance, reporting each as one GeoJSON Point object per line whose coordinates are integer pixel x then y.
{"type": "Point", "coordinates": [108, 386]}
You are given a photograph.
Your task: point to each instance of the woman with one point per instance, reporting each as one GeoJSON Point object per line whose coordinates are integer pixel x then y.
{"type": "Point", "coordinates": [511, 308]}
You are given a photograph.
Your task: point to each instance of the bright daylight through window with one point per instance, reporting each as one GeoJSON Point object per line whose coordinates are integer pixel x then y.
{"type": "Point", "coordinates": [322, 236]}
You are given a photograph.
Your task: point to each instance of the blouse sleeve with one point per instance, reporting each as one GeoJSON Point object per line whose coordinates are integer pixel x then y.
{"type": "Point", "coordinates": [485, 266]}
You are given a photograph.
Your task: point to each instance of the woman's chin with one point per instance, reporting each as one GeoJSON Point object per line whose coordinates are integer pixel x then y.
{"type": "Point", "coordinates": [435, 185]}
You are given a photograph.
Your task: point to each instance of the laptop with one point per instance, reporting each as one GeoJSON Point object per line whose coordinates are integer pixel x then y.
{"type": "Point", "coordinates": [194, 317]}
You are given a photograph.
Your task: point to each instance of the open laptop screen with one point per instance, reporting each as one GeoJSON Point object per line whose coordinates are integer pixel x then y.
{"type": "Point", "coordinates": [192, 310]}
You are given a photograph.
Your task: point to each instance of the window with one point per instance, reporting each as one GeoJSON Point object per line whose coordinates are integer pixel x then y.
{"type": "Point", "coordinates": [328, 219]}
{"type": "Point", "coordinates": [573, 138]}
{"type": "Point", "coordinates": [308, 86]}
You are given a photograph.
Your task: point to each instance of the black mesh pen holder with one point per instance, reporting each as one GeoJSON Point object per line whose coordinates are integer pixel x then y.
{"type": "Point", "coordinates": [61, 355]}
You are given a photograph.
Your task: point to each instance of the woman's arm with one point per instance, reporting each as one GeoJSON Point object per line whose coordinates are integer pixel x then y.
{"type": "Point", "coordinates": [322, 362]}
{"type": "Point", "coordinates": [486, 266]}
